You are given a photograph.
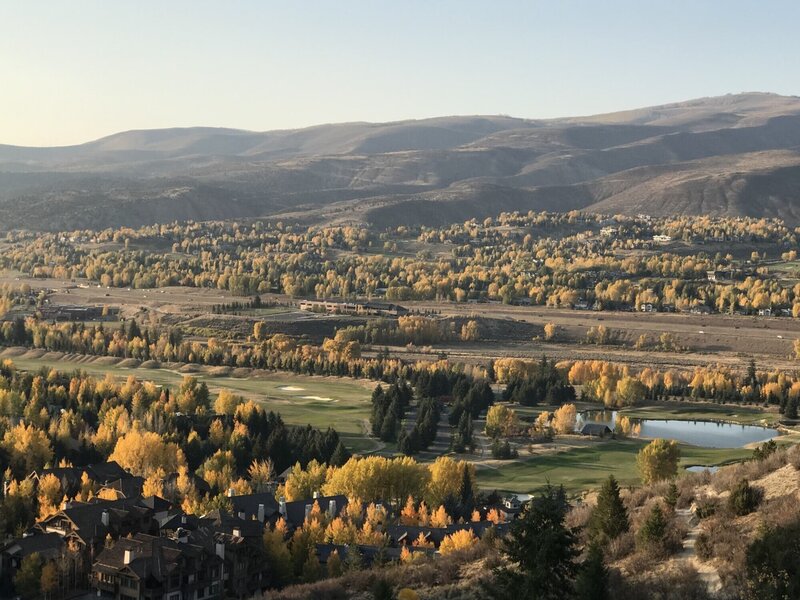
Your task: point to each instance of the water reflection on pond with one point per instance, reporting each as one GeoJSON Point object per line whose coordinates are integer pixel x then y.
{"type": "Point", "coordinates": [706, 434]}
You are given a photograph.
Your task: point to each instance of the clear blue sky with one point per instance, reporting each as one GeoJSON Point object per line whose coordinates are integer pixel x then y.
{"type": "Point", "coordinates": [71, 71]}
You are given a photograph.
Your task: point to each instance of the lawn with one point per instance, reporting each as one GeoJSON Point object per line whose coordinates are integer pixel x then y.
{"type": "Point", "coordinates": [323, 402]}
{"type": "Point", "coordinates": [579, 469]}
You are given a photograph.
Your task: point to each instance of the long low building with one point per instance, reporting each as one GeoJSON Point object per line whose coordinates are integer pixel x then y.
{"type": "Point", "coordinates": [353, 308]}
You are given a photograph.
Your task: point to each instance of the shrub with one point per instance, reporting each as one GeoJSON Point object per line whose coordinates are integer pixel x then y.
{"type": "Point", "coordinates": [744, 498]}
{"type": "Point", "coordinates": [503, 450]}
{"type": "Point", "coordinates": [705, 507]}
{"type": "Point", "coordinates": [703, 547]}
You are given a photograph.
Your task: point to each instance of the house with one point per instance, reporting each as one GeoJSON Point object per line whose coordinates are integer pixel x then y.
{"type": "Point", "coordinates": [700, 309]}
{"type": "Point", "coordinates": [764, 312]}
{"type": "Point", "coordinates": [238, 542]}
{"type": "Point", "coordinates": [646, 307]}
{"type": "Point", "coordinates": [609, 231]}
{"type": "Point", "coordinates": [87, 525]}
{"type": "Point", "coordinates": [49, 546]}
{"type": "Point", "coordinates": [596, 430]}
{"type": "Point", "coordinates": [147, 567]}
{"type": "Point", "coordinates": [662, 239]}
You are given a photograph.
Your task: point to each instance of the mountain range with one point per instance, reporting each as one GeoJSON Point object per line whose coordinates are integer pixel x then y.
{"type": "Point", "coordinates": [734, 155]}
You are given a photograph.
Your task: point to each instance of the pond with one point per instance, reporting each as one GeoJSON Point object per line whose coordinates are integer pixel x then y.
{"type": "Point", "coordinates": [706, 434]}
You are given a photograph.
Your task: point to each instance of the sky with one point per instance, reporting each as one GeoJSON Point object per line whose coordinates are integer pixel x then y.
{"type": "Point", "coordinates": [75, 71]}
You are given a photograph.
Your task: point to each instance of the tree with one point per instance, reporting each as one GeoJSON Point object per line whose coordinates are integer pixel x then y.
{"type": "Point", "coordinates": [277, 553]}
{"type": "Point", "coordinates": [629, 391]}
{"type": "Point", "coordinates": [544, 550]}
{"type": "Point", "coordinates": [470, 332]}
{"type": "Point", "coordinates": [592, 580]}
{"type": "Point", "coordinates": [658, 460]}
{"type": "Point", "coordinates": [773, 563]}
{"type": "Point", "coordinates": [564, 419]}
{"type": "Point", "coordinates": [550, 332]}
{"type": "Point", "coordinates": [28, 579]}
{"type": "Point", "coordinates": [654, 529]}
{"type": "Point", "coordinates": [460, 540]}
{"type": "Point", "coordinates": [143, 452]}
{"type": "Point", "coordinates": [334, 564]}
{"type": "Point", "coordinates": [28, 448]}
{"type": "Point", "coordinates": [226, 403]}
{"type": "Point", "coordinates": [501, 420]}
{"type": "Point", "coordinates": [609, 518]}
{"type": "Point", "coordinates": [49, 579]}
{"type": "Point", "coordinates": [382, 590]}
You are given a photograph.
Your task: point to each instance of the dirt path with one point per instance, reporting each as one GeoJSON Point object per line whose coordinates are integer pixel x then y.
{"type": "Point", "coordinates": [706, 570]}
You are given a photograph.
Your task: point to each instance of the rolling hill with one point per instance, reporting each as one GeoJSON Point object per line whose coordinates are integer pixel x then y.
{"type": "Point", "coordinates": [730, 155]}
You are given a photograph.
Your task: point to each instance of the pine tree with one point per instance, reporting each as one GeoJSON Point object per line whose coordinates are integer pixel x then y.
{"type": "Point", "coordinates": [544, 550]}
{"type": "Point", "coordinates": [609, 518]}
{"type": "Point", "coordinates": [592, 580]}
{"type": "Point", "coordinates": [340, 455]}
{"type": "Point", "coordinates": [654, 528]}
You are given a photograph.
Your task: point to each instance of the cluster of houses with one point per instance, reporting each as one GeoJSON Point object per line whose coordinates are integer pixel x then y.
{"type": "Point", "coordinates": [339, 307]}
{"type": "Point", "coordinates": [138, 548]}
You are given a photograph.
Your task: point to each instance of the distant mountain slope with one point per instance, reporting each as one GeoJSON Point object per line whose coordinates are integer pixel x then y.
{"type": "Point", "coordinates": [732, 155]}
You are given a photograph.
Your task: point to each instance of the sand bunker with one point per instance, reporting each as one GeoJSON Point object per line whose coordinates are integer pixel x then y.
{"type": "Point", "coordinates": [291, 388]}
{"type": "Point", "coordinates": [321, 398]}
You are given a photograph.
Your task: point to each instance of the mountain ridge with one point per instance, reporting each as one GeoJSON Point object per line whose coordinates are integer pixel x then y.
{"type": "Point", "coordinates": [742, 151]}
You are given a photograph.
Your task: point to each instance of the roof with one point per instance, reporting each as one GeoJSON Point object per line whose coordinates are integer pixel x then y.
{"type": "Point", "coordinates": [595, 429]}
{"type": "Point", "coordinates": [296, 511]}
{"type": "Point", "coordinates": [249, 503]}
{"type": "Point", "coordinates": [152, 556]}
{"type": "Point", "coordinates": [48, 545]}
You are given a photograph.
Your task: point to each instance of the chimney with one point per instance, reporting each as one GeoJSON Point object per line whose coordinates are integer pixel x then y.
{"type": "Point", "coordinates": [128, 557]}
{"type": "Point", "coordinates": [308, 510]}
{"type": "Point", "coordinates": [282, 508]}
{"type": "Point", "coordinates": [220, 550]}
{"type": "Point", "coordinates": [262, 510]}
{"type": "Point", "coordinates": [242, 515]}
{"type": "Point", "coordinates": [104, 519]}
{"type": "Point", "coordinates": [316, 495]}
{"type": "Point", "coordinates": [332, 508]}
{"type": "Point", "coordinates": [231, 492]}
{"type": "Point", "coordinates": [183, 519]}
{"type": "Point", "coordinates": [237, 532]}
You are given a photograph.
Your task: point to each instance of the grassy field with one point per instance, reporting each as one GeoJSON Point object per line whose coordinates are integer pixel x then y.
{"type": "Point", "coordinates": [579, 469]}
{"type": "Point", "coordinates": [321, 401]}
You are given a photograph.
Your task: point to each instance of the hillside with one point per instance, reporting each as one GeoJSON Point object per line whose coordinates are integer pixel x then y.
{"type": "Point", "coordinates": [731, 155]}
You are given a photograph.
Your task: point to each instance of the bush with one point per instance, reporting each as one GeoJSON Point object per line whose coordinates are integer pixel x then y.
{"type": "Point", "coordinates": [744, 498]}
{"type": "Point", "coordinates": [503, 450]}
{"type": "Point", "coordinates": [703, 547]}
{"type": "Point", "coordinates": [705, 507]}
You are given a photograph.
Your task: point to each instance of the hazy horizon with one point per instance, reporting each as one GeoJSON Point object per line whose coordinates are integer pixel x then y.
{"type": "Point", "coordinates": [87, 70]}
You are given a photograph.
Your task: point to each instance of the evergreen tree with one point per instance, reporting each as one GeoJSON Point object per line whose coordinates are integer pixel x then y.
{"type": "Point", "coordinates": [654, 528]}
{"type": "Point", "coordinates": [609, 518]}
{"type": "Point", "coordinates": [340, 455]}
{"type": "Point", "coordinates": [592, 580]}
{"type": "Point", "coordinates": [544, 550]}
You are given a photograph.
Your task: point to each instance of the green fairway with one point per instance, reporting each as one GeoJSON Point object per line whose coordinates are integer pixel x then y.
{"type": "Point", "coordinates": [323, 402]}
{"type": "Point", "coordinates": [579, 469]}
